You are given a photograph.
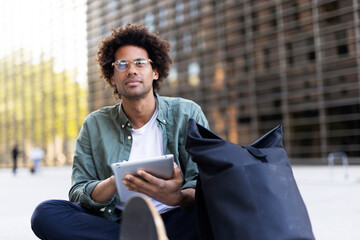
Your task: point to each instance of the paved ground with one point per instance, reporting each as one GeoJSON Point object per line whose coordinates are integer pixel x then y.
{"type": "Point", "coordinates": [333, 202]}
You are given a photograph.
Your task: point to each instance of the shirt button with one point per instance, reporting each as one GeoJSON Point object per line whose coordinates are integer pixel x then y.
{"type": "Point", "coordinates": [129, 125]}
{"type": "Point", "coordinates": [129, 137]}
{"type": "Point", "coordinates": [109, 211]}
{"type": "Point", "coordinates": [123, 126]}
{"type": "Point", "coordinates": [164, 121]}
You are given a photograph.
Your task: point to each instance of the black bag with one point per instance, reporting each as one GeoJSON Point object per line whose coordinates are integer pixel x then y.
{"type": "Point", "coordinates": [246, 192]}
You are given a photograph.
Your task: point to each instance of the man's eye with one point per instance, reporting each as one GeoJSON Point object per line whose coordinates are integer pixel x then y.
{"type": "Point", "coordinates": [140, 63]}
{"type": "Point", "coordinates": [123, 63]}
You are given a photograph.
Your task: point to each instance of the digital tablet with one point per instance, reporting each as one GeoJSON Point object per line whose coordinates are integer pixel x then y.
{"type": "Point", "coordinates": [161, 167]}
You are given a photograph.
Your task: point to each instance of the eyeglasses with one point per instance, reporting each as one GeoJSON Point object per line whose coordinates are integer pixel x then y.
{"type": "Point", "coordinates": [123, 65]}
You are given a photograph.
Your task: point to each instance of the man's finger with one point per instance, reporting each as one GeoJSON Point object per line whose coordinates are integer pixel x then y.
{"type": "Point", "coordinates": [137, 184]}
{"type": "Point", "coordinates": [148, 177]}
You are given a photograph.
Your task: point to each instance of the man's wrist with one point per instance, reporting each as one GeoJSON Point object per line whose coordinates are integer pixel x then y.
{"type": "Point", "coordinates": [187, 197]}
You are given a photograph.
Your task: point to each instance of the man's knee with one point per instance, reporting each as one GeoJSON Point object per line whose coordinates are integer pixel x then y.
{"type": "Point", "coordinates": [42, 217]}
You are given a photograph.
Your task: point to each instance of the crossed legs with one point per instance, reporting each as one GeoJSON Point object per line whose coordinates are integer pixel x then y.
{"type": "Point", "coordinates": [61, 219]}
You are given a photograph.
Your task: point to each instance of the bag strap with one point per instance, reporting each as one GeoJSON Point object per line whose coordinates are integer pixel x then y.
{"type": "Point", "coordinates": [256, 153]}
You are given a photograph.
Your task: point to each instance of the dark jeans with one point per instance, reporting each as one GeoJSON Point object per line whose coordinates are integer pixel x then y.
{"type": "Point", "coordinates": [60, 219]}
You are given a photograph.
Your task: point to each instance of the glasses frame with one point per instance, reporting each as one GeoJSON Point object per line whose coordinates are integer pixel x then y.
{"type": "Point", "coordinates": [131, 62]}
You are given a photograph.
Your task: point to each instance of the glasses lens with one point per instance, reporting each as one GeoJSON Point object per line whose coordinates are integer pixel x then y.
{"type": "Point", "coordinates": [140, 63]}
{"type": "Point", "coordinates": [121, 65]}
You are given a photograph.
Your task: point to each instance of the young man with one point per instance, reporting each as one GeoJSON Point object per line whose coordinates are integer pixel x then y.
{"type": "Point", "coordinates": [133, 62]}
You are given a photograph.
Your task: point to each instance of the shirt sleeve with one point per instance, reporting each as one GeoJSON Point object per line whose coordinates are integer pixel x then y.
{"type": "Point", "coordinates": [191, 171]}
{"type": "Point", "coordinates": [84, 177]}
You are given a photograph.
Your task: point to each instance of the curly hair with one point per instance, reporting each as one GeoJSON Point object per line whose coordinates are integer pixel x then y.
{"type": "Point", "coordinates": [136, 35]}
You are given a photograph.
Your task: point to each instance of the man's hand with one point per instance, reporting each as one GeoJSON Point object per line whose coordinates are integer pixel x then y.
{"type": "Point", "coordinates": [165, 191]}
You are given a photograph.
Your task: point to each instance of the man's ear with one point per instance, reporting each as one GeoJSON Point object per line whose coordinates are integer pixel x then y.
{"type": "Point", "coordinates": [112, 81]}
{"type": "Point", "coordinates": [155, 75]}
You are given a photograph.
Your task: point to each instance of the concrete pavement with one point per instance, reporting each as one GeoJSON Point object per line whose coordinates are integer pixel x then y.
{"type": "Point", "coordinates": [333, 201]}
{"type": "Point", "coordinates": [20, 195]}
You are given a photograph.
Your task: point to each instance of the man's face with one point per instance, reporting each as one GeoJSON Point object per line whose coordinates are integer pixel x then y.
{"type": "Point", "coordinates": [133, 82]}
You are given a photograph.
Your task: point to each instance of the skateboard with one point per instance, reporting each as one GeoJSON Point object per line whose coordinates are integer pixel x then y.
{"type": "Point", "coordinates": [141, 220]}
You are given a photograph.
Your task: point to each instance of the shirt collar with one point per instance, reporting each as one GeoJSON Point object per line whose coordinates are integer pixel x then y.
{"type": "Point", "coordinates": [122, 117]}
{"type": "Point", "coordinates": [162, 109]}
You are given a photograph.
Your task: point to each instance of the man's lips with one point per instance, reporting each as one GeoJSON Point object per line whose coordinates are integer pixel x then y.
{"type": "Point", "coordinates": [133, 82]}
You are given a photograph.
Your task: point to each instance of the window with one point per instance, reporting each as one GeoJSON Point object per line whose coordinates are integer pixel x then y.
{"type": "Point", "coordinates": [329, 8]}
{"type": "Point", "coordinates": [173, 47]}
{"type": "Point", "coordinates": [187, 42]}
{"type": "Point", "coordinates": [194, 74]}
{"type": "Point", "coordinates": [289, 54]}
{"type": "Point", "coordinates": [247, 63]}
{"type": "Point", "coordinates": [149, 20]}
{"type": "Point", "coordinates": [267, 62]}
{"type": "Point", "coordinates": [219, 76]}
{"type": "Point", "coordinates": [340, 35]}
{"type": "Point", "coordinates": [311, 55]}
{"type": "Point", "coordinates": [173, 76]}
{"type": "Point", "coordinates": [194, 8]}
{"type": "Point", "coordinates": [342, 48]}
{"type": "Point", "coordinates": [162, 17]}
{"type": "Point", "coordinates": [179, 9]}
{"type": "Point", "coordinates": [201, 43]}
{"type": "Point", "coordinates": [112, 4]}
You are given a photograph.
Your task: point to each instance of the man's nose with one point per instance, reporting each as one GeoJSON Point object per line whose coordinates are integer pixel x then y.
{"type": "Point", "coordinates": [132, 69]}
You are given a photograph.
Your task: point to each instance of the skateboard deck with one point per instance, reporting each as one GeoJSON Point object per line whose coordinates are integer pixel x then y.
{"type": "Point", "coordinates": [141, 220]}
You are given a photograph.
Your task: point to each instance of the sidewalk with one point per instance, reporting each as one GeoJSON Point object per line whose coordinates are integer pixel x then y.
{"type": "Point", "coordinates": [333, 202]}
{"type": "Point", "coordinates": [21, 194]}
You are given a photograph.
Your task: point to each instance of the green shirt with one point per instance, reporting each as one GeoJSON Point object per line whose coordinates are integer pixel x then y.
{"type": "Point", "coordinates": [105, 138]}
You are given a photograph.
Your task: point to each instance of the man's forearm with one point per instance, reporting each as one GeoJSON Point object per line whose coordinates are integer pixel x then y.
{"type": "Point", "coordinates": [105, 190]}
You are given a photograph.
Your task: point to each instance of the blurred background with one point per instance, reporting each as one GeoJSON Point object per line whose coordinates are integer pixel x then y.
{"type": "Point", "coordinates": [251, 65]}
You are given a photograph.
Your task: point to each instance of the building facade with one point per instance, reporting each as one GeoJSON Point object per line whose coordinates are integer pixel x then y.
{"type": "Point", "coordinates": [252, 65]}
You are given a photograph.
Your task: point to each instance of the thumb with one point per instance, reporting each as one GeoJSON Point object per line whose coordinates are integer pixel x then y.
{"type": "Point", "coordinates": [177, 170]}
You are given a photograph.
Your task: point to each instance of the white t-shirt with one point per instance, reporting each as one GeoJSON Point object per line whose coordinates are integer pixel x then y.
{"type": "Point", "coordinates": [147, 142]}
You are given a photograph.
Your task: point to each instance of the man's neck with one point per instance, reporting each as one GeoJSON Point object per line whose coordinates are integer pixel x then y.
{"type": "Point", "coordinates": [139, 111]}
